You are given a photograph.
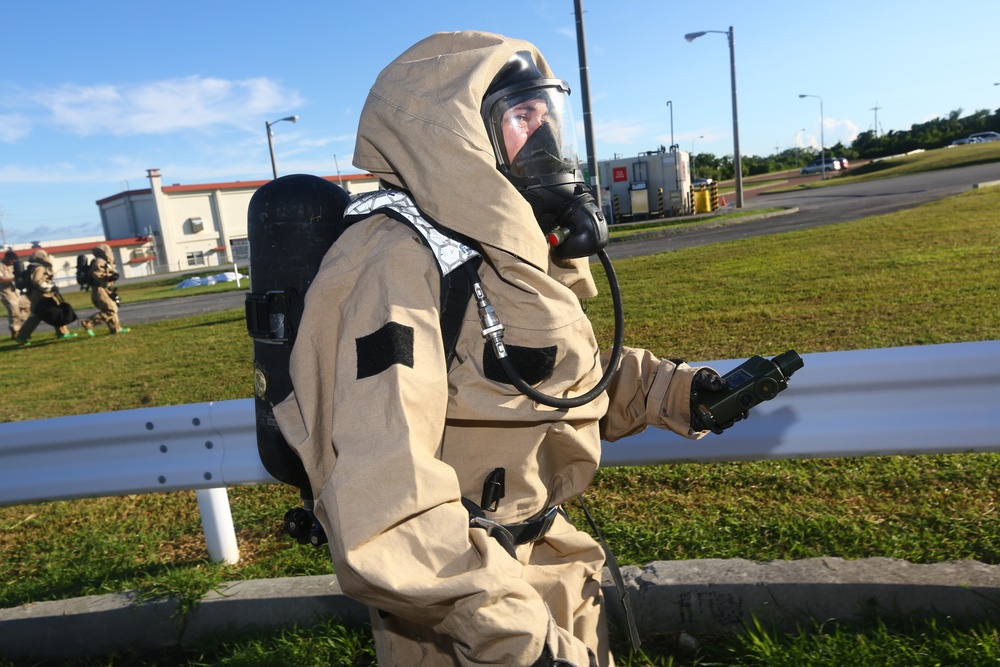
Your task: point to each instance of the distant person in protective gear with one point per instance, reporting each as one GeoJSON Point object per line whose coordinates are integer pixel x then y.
{"type": "Point", "coordinates": [47, 305]}
{"type": "Point", "coordinates": [408, 457]}
{"type": "Point", "coordinates": [17, 305]}
{"type": "Point", "coordinates": [103, 275]}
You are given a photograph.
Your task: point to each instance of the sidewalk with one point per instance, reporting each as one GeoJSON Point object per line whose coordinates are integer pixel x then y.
{"type": "Point", "coordinates": [700, 597]}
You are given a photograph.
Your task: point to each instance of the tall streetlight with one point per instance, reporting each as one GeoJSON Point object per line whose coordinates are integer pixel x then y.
{"type": "Point", "coordinates": [270, 142]}
{"type": "Point", "coordinates": [588, 120]}
{"type": "Point", "coordinates": [672, 144]}
{"type": "Point", "coordinates": [737, 165]}
{"type": "Point", "coordinates": [822, 142]}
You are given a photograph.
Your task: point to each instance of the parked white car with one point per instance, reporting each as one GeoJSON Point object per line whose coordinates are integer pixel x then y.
{"type": "Point", "coordinates": [981, 137]}
{"type": "Point", "coordinates": [977, 138]}
{"type": "Point", "coordinates": [816, 166]}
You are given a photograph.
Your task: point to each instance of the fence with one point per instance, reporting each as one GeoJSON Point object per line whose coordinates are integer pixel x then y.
{"type": "Point", "coordinates": [899, 401]}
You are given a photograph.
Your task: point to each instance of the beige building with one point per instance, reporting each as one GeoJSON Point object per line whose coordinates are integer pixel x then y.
{"type": "Point", "coordinates": [189, 226]}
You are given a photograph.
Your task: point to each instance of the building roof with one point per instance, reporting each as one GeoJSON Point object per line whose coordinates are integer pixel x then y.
{"type": "Point", "coordinates": [243, 185]}
{"type": "Point", "coordinates": [82, 247]}
{"type": "Point", "coordinates": [230, 185]}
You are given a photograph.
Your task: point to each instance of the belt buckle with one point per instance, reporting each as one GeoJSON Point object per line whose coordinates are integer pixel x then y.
{"type": "Point", "coordinates": [490, 526]}
{"type": "Point", "coordinates": [547, 519]}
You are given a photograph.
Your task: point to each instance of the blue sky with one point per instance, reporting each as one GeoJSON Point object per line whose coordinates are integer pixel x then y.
{"type": "Point", "coordinates": [94, 94]}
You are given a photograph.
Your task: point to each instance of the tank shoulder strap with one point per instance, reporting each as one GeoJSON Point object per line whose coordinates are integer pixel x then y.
{"type": "Point", "coordinates": [450, 251]}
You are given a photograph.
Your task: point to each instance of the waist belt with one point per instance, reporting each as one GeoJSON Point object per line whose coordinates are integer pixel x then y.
{"type": "Point", "coordinates": [510, 535]}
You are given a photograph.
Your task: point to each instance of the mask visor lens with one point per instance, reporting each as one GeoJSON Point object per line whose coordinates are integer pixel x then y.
{"type": "Point", "coordinates": [535, 132]}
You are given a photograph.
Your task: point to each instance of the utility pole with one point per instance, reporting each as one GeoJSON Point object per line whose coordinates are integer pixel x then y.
{"type": "Point", "coordinates": [875, 109]}
{"type": "Point", "coordinates": [588, 121]}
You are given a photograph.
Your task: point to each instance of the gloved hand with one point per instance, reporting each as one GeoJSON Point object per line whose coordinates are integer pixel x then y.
{"type": "Point", "coordinates": [708, 380]}
{"type": "Point", "coordinates": [115, 276]}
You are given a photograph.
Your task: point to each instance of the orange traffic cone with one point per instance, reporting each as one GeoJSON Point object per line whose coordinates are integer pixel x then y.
{"type": "Point", "coordinates": [722, 201]}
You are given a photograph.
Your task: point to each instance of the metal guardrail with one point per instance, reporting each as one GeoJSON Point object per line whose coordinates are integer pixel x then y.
{"type": "Point", "coordinates": [911, 400]}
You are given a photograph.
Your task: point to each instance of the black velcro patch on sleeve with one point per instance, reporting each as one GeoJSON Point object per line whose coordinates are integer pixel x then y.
{"type": "Point", "coordinates": [392, 344]}
{"type": "Point", "coordinates": [533, 364]}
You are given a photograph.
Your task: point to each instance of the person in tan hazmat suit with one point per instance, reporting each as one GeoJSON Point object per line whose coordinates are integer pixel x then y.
{"type": "Point", "coordinates": [41, 285]}
{"type": "Point", "coordinates": [103, 275]}
{"type": "Point", "coordinates": [17, 305]}
{"type": "Point", "coordinates": [393, 438]}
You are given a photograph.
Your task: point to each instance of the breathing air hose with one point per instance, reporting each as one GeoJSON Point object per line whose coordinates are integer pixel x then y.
{"type": "Point", "coordinates": [493, 332]}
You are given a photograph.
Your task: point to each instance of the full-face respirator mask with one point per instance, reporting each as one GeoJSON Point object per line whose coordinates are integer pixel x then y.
{"type": "Point", "coordinates": [530, 123]}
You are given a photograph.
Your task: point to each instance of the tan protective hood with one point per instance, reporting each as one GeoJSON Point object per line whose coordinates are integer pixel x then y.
{"type": "Point", "coordinates": [103, 250]}
{"type": "Point", "coordinates": [421, 129]}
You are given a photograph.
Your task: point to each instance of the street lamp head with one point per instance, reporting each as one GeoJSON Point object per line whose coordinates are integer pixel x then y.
{"type": "Point", "coordinates": [691, 36]}
{"type": "Point", "coordinates": [293, 119]}
{"type": "Point", "coordinates": [270, 143]}
{"type": "Point", "coordinates": [801, 96]}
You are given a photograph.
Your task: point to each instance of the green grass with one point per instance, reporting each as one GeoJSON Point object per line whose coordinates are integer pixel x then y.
{"type": "Point", "coordinates": [928, 275]}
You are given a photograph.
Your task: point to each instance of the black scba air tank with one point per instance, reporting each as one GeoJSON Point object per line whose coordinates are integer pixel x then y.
{"type": "Point", "coordinates": [291, 222]}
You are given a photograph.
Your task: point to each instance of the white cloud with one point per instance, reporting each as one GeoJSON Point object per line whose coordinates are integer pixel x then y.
{"type": "Point", "coordinates": [617, 132]}
{"type": "Point", "coordinates": [13, 127]}
{"type": "Point", "coordinates": [160, 107]}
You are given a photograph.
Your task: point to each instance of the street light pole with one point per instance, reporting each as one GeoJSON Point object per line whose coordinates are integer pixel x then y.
{"type": "Point", "coordinates": [588, 121]}
{"type": "Point", "coordinates": [822, 141]}
{"type": "Point", "coordinates": [672, 144]}
{"type": "Point", "coordinates": [270, 142]}
{"type": "Point", "coordinates": [737, 163]}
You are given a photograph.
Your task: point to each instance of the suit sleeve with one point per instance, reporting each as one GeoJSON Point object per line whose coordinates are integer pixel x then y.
{"type": "Point", "coordinates": [368, 417]}
{"type": "Point", "coordinates": [647, 391]}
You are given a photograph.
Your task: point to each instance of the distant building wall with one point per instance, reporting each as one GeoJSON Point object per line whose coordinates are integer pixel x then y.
{"type": "Point", "coordinates": [193, 225]}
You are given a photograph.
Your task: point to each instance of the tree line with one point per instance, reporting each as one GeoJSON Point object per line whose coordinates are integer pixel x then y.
{"type": "Point", "coordinates": [935, 133]}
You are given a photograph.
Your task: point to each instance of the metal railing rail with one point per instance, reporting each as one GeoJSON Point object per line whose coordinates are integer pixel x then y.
{"type": "Point", "coordinates": [929, 399]}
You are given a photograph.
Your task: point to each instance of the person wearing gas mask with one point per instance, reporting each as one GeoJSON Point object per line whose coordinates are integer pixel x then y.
{"type": "Point", "coordinates": [17, 305]}
{"type": "Point", "coordinates": [103, 275]}
{"type": "Point", "coordinates": [46, 302]}
{"type": "Point", "coordinates": [438, 481]}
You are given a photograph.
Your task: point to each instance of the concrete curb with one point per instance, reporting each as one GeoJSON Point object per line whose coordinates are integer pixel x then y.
{"type": "Point", "coordinates": [700, 597]}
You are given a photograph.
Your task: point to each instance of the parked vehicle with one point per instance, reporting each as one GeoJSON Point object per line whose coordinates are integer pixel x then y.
{"type": "Point", "coordinates": [816, 166]}
{"type": "Point", "coordinates": [985, 136]}
{"type": "Point", "coordinates": [964, 140]}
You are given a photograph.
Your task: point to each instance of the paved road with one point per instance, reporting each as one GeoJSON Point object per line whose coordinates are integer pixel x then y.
{"type": "Point", "coordinates": [821, 206]}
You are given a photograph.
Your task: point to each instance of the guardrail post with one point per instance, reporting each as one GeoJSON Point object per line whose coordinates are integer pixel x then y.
{"type": "Point", "coordinates": [217, 522]}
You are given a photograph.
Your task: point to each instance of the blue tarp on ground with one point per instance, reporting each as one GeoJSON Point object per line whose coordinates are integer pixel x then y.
{"type": "Point", "coordinates": [210, 280]}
